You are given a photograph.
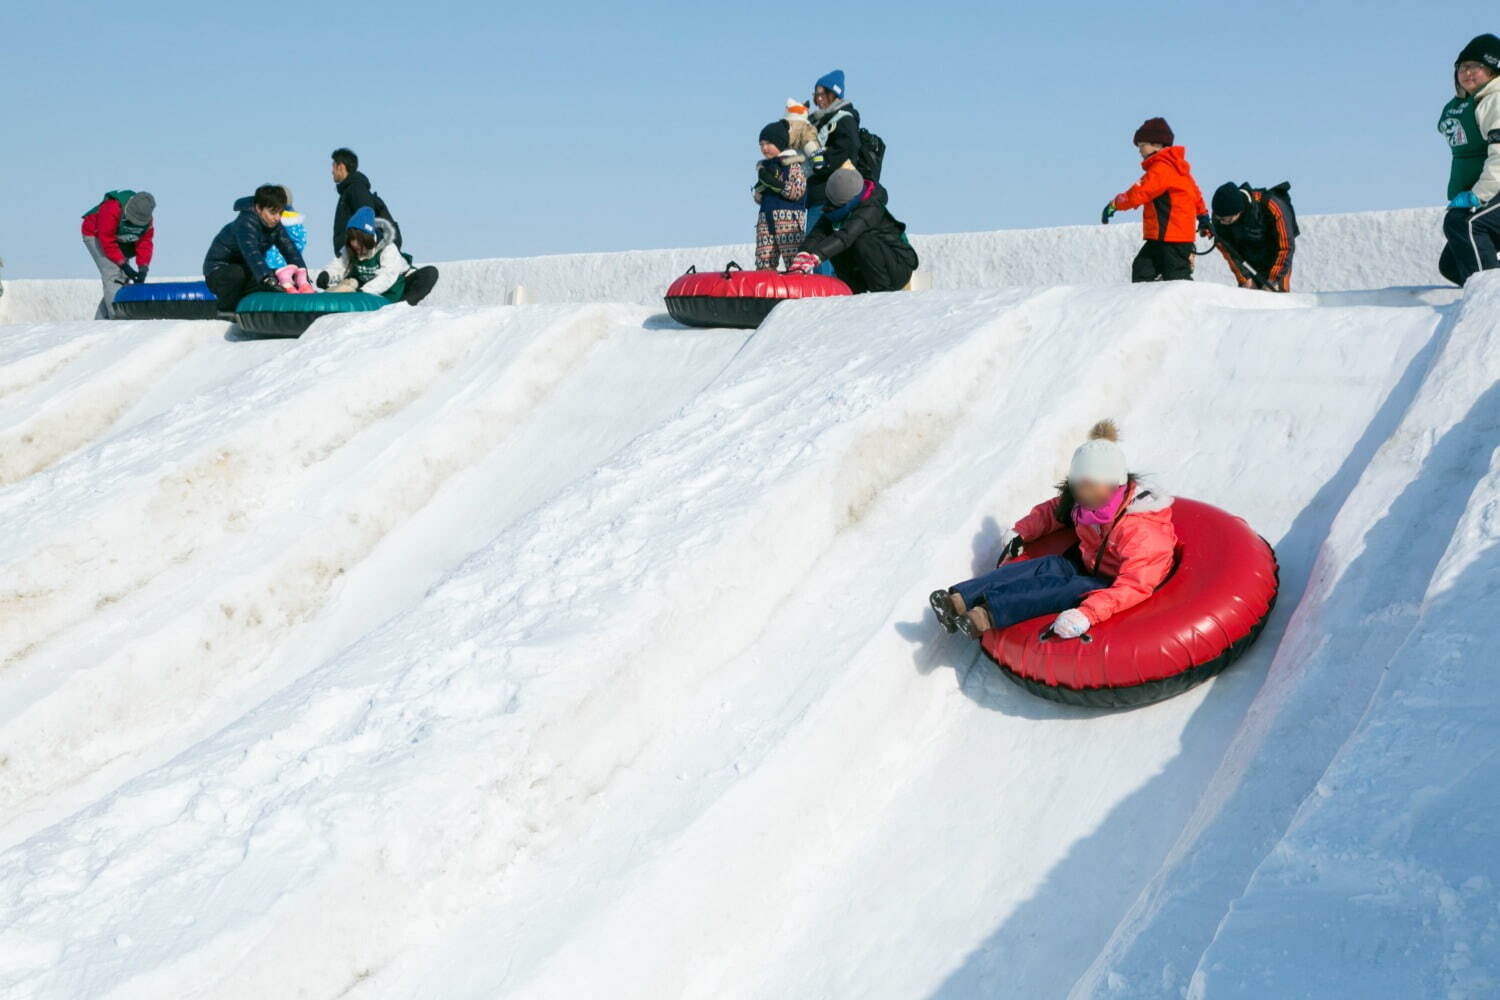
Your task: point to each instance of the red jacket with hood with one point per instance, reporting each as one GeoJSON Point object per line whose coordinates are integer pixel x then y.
{"type": "Point", "coordinates": [1169, 195]}
{"type": "Point", "coordinates": [103, 223]}
{"type": "Point", "coordinates": [1138, 548]}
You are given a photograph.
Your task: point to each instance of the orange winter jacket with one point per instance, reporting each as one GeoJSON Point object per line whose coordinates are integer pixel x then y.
{"type": "Point", "coordinates": [1170, 195]}
{"type": "Point", "coordinates": [1139, 548]}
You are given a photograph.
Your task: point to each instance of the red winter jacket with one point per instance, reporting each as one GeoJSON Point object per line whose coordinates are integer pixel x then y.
{"type": "Point", "coordinates": [103, 223]}
{"type": "Point", "coordinates": [1139, 549]}
{"type": "Point", "coordinates": [1170, 195]}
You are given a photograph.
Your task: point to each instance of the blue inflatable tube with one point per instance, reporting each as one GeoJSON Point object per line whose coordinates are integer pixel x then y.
{"type": "Point", "coordinates": [165, 300]}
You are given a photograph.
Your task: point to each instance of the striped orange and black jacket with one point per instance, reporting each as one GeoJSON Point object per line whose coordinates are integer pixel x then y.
{"type": "Point", "coordinates": [1259, 244]}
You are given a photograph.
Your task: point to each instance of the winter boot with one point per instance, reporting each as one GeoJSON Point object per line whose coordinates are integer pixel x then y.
{"type": "Point", "coordinates": [418, 284]}
{"type": "Point", "coordinates": [976, 622]}
{"type": "Point", "coordinates": [948, 606]}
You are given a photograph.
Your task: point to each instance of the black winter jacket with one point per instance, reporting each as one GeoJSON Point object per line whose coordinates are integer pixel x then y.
{"type": "Point", "coordinates": [355, 194]}
{"type": "Point", "coordinates": [840, 147]}
{"type": "Point", "coordinates": [868, 246]}
{"type": "Point", "coordinates": [245, 242]}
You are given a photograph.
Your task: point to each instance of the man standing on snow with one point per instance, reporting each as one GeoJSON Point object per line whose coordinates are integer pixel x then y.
{"type": "Point", "coordinates": [117, 229]}
{"type": "Point", "coordinates": [354, 194]}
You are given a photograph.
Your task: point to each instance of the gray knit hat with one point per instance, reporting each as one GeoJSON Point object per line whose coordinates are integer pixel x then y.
{"type": "Point", "coordinates": [844, 186]}
{"type": "Point", "coordinates": [140, 208]}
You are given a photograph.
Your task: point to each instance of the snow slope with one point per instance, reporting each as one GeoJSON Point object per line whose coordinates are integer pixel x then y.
{"type": "Point", "coordinates": [557, 651]}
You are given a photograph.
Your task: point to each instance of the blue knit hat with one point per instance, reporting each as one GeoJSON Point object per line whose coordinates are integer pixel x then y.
{"type": "Point", "coordinates": [832, 82]}
{"type": "Point", "coordinates": [363, 220]}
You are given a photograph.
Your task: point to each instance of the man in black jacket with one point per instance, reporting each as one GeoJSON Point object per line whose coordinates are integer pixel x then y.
{"type": "Point", "coordinates": [1256, 231]}
{"type": "Point", "coordinates": [858, 235]}
{"type": "Point", "coordinates": [354, 194]}
{"type": "Point", "coordinates": [235, 264]}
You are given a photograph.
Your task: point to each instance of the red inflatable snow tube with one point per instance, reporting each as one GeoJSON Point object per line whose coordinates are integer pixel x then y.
{"type": "Point", "coordinates": [735, 297]}
{"type": "Point", "coordinates": [1207, 612]}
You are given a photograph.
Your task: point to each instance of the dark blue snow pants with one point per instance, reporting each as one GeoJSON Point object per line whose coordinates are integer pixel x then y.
{"type": "Point", "coordinates": [1473, 238]}
{"type": "Point", "coordinates": [1028, 588]}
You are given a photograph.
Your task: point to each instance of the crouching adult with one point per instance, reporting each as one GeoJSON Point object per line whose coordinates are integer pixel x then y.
{"type": "Point", "coordinates": [236, 264]}
{"type": "Point", "coordinates": [857, 234]}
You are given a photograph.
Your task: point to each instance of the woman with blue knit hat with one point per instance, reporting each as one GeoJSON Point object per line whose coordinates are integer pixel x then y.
{"type": "Point", "coordinates": [372, 263]}
{"type": "Point", "coordinates": [837, 123]}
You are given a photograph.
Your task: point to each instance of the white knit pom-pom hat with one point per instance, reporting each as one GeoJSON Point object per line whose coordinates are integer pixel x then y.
{"type": "Point", "coordinates": [1100, 459]}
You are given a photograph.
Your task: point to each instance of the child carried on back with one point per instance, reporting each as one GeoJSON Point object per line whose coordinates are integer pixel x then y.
{"type": "Point", "coordinates": [1126, 547]}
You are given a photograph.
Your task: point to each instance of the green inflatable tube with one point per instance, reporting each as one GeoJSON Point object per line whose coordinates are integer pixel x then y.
{"type": "Point", "coordinates": [279, 314]}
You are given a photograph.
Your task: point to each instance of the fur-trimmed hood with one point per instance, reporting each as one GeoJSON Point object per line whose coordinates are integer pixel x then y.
{"type": "Point", "coordinates": [1148, 500]}
{"type": "Point", "coordinates": [385, 235]}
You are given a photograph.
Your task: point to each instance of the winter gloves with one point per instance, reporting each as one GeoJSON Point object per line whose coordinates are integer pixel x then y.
{"type": "Point", "coordinates": [329, 285]}
{"type": "Point", "coordinates": [131, 274]}
{"type": "Point", "coordinates": [1108, 213]}
{"type": "Point", "coordinates": [1010, 546]}
{"type": "Point", "coordinates": [1465, 199]}
{"type": "Point", "coordinates": [270, 284]}
{"type": "Point", "coordinates": [768, 178]}
{"type": "Point", "coordinates": [1071, 624]}
{"type": "Point", "coordinates": [1205, 226]}
{"type": "Point", "coordinates": [140, 275]}
{"type": "Point", "coordinates": [804, 263]}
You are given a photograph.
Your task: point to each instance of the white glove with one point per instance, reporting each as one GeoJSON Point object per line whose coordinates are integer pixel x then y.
{"type": "Point", "coordinates": [1070, 624]}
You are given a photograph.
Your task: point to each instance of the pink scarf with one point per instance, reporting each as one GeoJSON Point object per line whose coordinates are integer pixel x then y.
{"type": "Point", "coordinates": [1100, 516]}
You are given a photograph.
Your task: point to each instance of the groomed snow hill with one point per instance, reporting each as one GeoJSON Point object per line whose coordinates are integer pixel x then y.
{"type": "Point", "coordinates": [479, 651]}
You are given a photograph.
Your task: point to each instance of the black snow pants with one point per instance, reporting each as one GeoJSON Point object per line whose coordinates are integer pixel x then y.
{"type": "Point", "coordinates": [230, 283]}
{"type": "Point", "coordinates": [1473, 238]}
{"type": "Point", "coordinates": [874, 264]}
{"type": "Point", "coordinates": [1161, 261]}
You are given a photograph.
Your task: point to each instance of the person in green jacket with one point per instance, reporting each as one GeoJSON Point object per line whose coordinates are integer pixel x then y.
{"type": "Point", "coordinates": [1471, 124]}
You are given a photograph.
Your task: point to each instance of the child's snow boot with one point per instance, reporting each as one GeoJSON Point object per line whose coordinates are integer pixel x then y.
{"type": "Point", "coordinates": [976, 622]}
{"type": "Point", "coordinates": [948, 606]}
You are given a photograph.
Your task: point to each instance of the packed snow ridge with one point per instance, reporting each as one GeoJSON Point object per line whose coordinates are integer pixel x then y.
{"type": "Point", "coordinates": [555, 650]}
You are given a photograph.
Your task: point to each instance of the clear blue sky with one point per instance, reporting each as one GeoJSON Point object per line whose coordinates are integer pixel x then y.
{"type": "Point", "coordinates": [506, 129]}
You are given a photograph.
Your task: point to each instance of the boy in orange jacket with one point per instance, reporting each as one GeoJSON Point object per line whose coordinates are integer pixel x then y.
{"type": "Point", "coordinates": [1174, 208]}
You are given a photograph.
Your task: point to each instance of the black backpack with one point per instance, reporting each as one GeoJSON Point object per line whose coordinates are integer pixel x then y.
{"type": "Point", "coordinates": [871, 155]}
{"type": "Point", "coordinates": [1284, 192]}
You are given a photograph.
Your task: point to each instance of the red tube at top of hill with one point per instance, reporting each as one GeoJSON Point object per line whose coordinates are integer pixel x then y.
{"type": "Point", "coordinates": [1206, 613]}
{"type": "Point", "coordinates": [742, 299]}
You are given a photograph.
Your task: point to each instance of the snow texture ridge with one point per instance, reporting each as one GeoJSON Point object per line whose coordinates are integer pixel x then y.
{"type": "Point", "coordinates": [557, 651]}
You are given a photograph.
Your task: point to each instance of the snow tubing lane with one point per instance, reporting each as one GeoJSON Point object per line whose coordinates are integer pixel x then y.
{"type": "Point", "coordinates": [281, 314]}
{"type": "Point", "coordinates": [1208, 612]}
{"type": "Point", "coordinates": [164, 300]}
{"type": "Point", "coordinates": [742, 299]}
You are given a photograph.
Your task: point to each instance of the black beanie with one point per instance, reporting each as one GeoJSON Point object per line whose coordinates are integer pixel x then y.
{"type": "Point", "coordinates": [1484, 49]}
{"type": "Point", "coordinates": [778, 134]}
{"type": "Point", "coordinates": [1228, 200]}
